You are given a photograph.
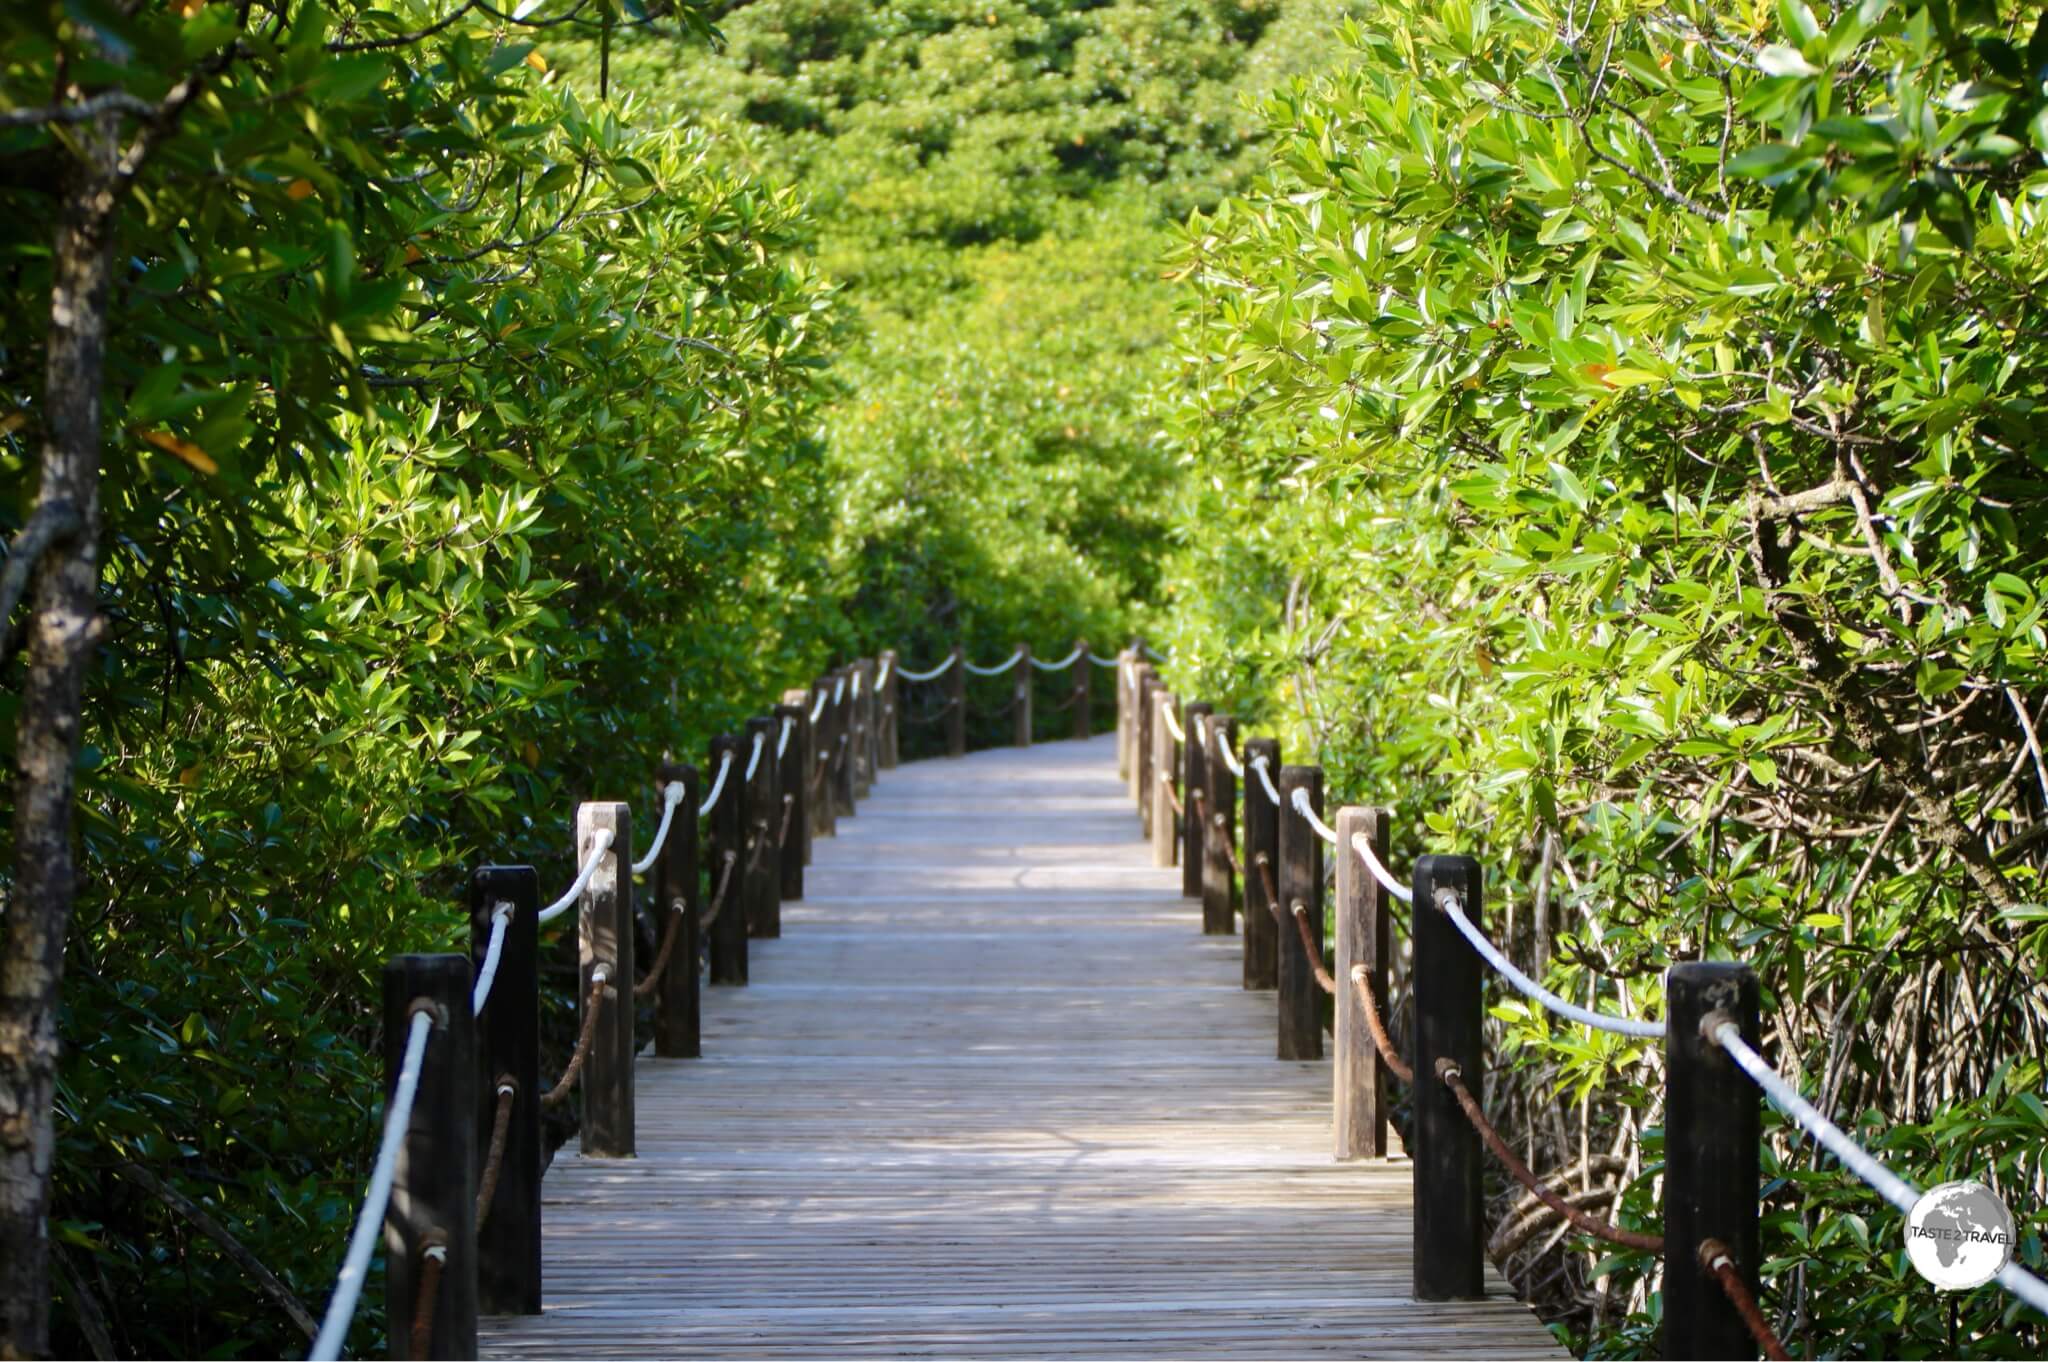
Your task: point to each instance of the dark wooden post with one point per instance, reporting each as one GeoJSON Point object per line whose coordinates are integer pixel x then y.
{"type": "Point", "coordinates": [1142, 779]}
{"type": "Point", "coordinates": [824, 745]}
{"type": "Point", "coordinates": [891, 699]}
{"type": "Point", "coordinates": [796, 772]}
{"type": "Point", "coordinates": [871, 709]}
{"type": "Point", "coordinates": [1712, 1129]}
{"type": "Point", "coordinates": [956, 704]}
{"type": "Point", "coordinates": [1300, 883]}
{"type": "Point", "coordinates": [605, 934]}
{"type": "Point", "coordinates": [789, 781]}
{"type": "Point", "coordinates": [860, 698]}
{"type": "Point", "coordinates": [678, 1019]}
{"type": "Point", "coordinates": [1449, 1235]}
{"type": "Point", "coordinates": [508, 1057]}
{"type": "Point", "coordinates": [432, 1209]}
{"type": "Point", "coordinates": [762, 869]}
{"type": "Point", "coordinates": [1219, 815]}
{"type": "Point", "coordinates": [845, 739]}
{"type": "Point", "coordinates": [1165, 768]}
{"type": "Point", "coordinates": [1194, 822]}
{"type": "Point", "coordinates": [1359, 1096]}
{"type": "Point", "coordinates": [729, 837]}
{"type": "Point", "coordinates": [1126, 708]}
{"type": "Point", "coordinates": [1020, 689]}
{"type": "Point", "coordinates": [1261, 843]}
{"type": "Point", "coordinates": [1083, 691]}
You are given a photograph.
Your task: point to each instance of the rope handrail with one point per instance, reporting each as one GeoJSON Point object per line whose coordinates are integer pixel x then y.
{"type": "Point", "coordinates": [1231, 763]}
{"type": "Point", "coordinates": [1719, 1264]}
{"type": "Point", "coordinates": [362, 1243]}
{"type": "Point", "coordinates": [839, 691]}
{"type": "Point", "coordinates": [1312, 948]}
{"type": "Point", "coordinates": [1069, 660]}
{"type": "Point", "coordinates": [882, 676]}
{"type": "Point", "coordinates": [856, 685]}
{"type": "Point", "coordinates": [996, 670]}
{"type": "Point", "coordinates": [1363, 848]}
{"type": "Point", "coordinates": [671, 795]}
{"type": "Point", "coordinates": [717, 784]}
{"type": "Point", "coordinates": [566, 1084]}
{"type": "Point", "coordinates": [433, 1262]}
{"type": "Point", "coordinates": [934, 674]}
{"type": "Point", "coordinates": [1308, 813]}
{"type": "Point", "coordinates": [1722, 1030]}
{"type": "Point", "coordinates": [1600, 1021]}
{"type": "Point", "coordinates": [659, 965]}
{"type": "Point", "coordinates": [487, 973]}
{"type": "Point", "coordinates": [1099, 660]}
{"type": "Point", "coordinates": [1266, 779]}
{"type": "Point", "coordinates": [1173, 727]}
{"type": "Point", "coordinates": [718, 898]}
{"type": "Point", "coordinates": [782, 739]}
{"type": "Point", "coordinates": [494, 1160]}
{"type": "Point", "coordinates": [1361, 980]}
{"type": "Point", "coordinates": [754, 757]}
{"type": "Point", "coordinates": [1265, 865]}
{"type": "Point", "coordinates": [1172, 795]}
{"type": "Point", "coordinates": [1151, 652]}
{"type": "Point", "coordinates": [599, 845]}
{"type": "Point", "coordinates": [818, 708]}
{"type": "Point", "coordinates": [1201, 727]}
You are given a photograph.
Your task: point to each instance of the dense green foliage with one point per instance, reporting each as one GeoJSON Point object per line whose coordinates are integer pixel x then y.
{"type": "Point", "coordinates": [1613, 438]}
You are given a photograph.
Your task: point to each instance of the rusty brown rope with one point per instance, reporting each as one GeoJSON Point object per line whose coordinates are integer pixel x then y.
{"type": "Point", "coordinates": [1222, 824]}
{"type": "Point", "coordinates": [559, 1094]}
{"type": "Point", "coordinates": [431, 1262]}
{"type": "Point", "coordinates": [1063, 706]}
{"type": "Point", "coordinates": [788, 808]}
{"type": "Point", "coordinates": [757, 844]}
{"type": "Point", "coordinates": [1172, 795]}
{"type": "Point", "coordinates": [494, 1162]}
{"type": "Point", "coordinates": [1396, 1065]}
{"type": "Point", "coordinates": [645, 988]}
{"type": "Point", "coordinates": [1719, 1263]}
{"type": "Point", "coordinates": [1265, 864]}
{"type": "Point", "coordinates": [1447, 1070]}
{"type": "Point", "coordinates": [718, 899]}
{"type": "Point", "coordinates": [1313, 947]}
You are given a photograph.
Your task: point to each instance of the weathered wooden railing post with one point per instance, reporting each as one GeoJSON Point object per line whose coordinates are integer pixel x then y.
{"type": "Point", "coordinates": [1449, 1234]}
{"type": "Point", "coordinates": [1144, 784]}
{"type": "Point", "coordinates": [1362, 945]}
{"type": "Point", "coordinates": [1194, 797]}
{"type": "Point", "coordinates": [789, 781]}
{"type": "Point", "coordinates": [1219, 815]}
{"type": "Point", "coordinates": [1712, 1130]}
{"type": "Point", "coordinates": [432, 1211]}
{"type": "Point", "coordinates": [1300, 885]}
{"type": "Point", "coordinates": [1261, 846]}
{"type": "Point", "coordinates": [1165, 767]}
{"type": "Point", "coordinates": [678, 1017]}
{"type": "Point", "coordinates": [862, 696]}
{"type": "Point", "coordinates": [846, 743]}
{"type": "Point", "coordinates": [1020, 691]}
{"type": "Point", "coordinates": [508, 1057]}
{"type": "Point", "coordinates": [824, 742]}
{"type": "Point", "coordinates": [605, 934]}
{"type": "Point", "coordinates": [956, 703]}
{"type": "Point", "coordinates": [762, 877]}
{"type": "Point", "coordinates": [890, 702]}
{"type": "Point", "coordinates": [1083, 694]}
{"type": "Point", "coordinates": [729, 839]}
{"type": "Point", "coordinates": [1126, 717]}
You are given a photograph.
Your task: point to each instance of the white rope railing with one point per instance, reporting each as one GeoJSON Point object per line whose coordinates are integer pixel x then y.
{"type": "Point", "coordinates": [839, 691]}
{"type": "Point", "coordinates": [1069, 660]}
{"type": "Point", "coordinates": [1308, 813]}
{"type": "Point", "coordinates": [817, 709]}
{"type": "Point", "coordinates": [671, 795]}
{"type": "Point", "coordinates": [782, 739]}
{"type": "Point", "coordinates": [487, 973]}
{"type": "Point", "coordinates": [754, 757]}
{"type": "Point", "coordinates": [1151, 652]}
{"type": "Point", "coordinates": [599, 845]}
{"type": "Point", "coordinates": [717, 785]}
{"type": "Point", "coordinates": [996, 670]}
{"type": "Point", "coordinates": [362, 1243]}
{"type": "Point", "coordinates": [1599, 1021]}
{"type": "Point", "coordinates": [1099, 660]}
{"type": "Point", "coordinates": [1266, 779]}
{"type": "Point", "coordinates": [932, 675]}
{"type": "Point", "coordinates": [856, 685]}
{"type": "Point", "coordinates": [1172, 723]}
{"type": "Point", "coordinates": [1393, 886]}
{"type": "Point", "coordinates": [882, 676]}
{"type": "Point", "coordinates": [1201, 727]}
{"type": "Point", "coordinates": [1231, 763]}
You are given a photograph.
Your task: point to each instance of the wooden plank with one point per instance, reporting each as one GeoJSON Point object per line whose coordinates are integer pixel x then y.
{"type": "Point", "coordinates": [992, 1094]}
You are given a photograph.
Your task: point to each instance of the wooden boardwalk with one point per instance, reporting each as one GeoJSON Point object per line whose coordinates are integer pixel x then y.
{"type": "Point", "coordinates": [992, 1094]}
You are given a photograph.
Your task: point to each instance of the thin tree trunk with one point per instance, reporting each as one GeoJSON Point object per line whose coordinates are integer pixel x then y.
{"type": "Point", "coordinates": [63, 631]}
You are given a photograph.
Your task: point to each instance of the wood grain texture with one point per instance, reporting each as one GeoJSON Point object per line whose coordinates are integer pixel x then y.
{"type": "Point", "coordinates": [995, 1095]}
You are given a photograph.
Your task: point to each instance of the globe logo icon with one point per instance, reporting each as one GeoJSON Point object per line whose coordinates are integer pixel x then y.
{"type": "Point", "coordinates": [1959, 1235]}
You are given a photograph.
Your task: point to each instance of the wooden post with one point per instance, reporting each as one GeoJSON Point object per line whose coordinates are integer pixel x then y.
{"type": "Point", "coordinates": [729, 836]}
{"type": "Point", "coordinates": [1020, 691]}
{"type": "Point", "coordinates": [678, 898]}
{"type": "Point", "coordinates": [508, 1056]}
{"type": "Point", "coordinates": [1358, 1093]}
{"type": "Point", "coordinates": [761, 871]}
{"type": "Point", "coordinates": [1219, 885]}
{"type": "Point", "coordinates": [824, 744]}
{"type": "Point", "coordinates": [1712, 1129]}
{"type": "Point", "coordinates": [1449, 1235]}
{"type": "Point", "coordinates": [432, 1208]}
{"type": "Point", "coordinates": [605, 933]}
{"type": "Point", "coordinates": [789, 781]}
{"type": "Point", "coordinates": [1300, 882]}
{"type": "Point", "coordinates": [1143, 782]}
{"type": "Point", "coordinates": [845, 742]}
{"type": "Point", "coordinates": [956, 704]}
{"type": "Point", "coordinates": [891, 699]}
{"type": "Point", "coordinates": [1261, 841]}
{"type": "Point", "coordinates": [1194, 821]}
{"type": "Point", "coordinates": [1165, 830]}
{"type": "Point", "coordinates": [1084, 691]}
{"type": "Point", "coordinates": [1125, 712]}
{"type": "Point", "coordinates": [860, 697]}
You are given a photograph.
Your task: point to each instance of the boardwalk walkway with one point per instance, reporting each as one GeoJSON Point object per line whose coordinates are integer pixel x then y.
{"type": "Point", "coordinates": [992, 1094]}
